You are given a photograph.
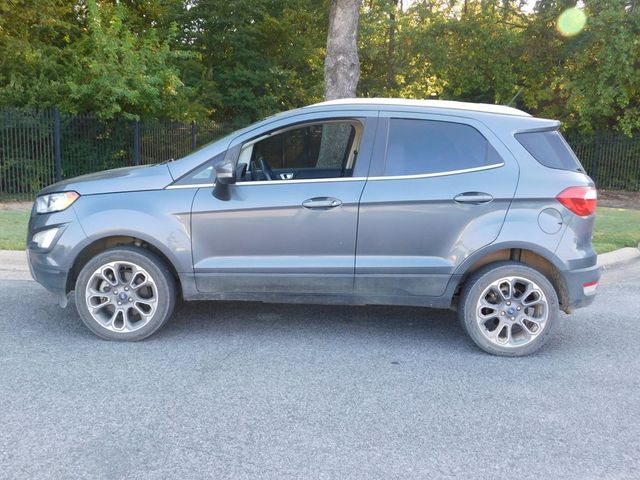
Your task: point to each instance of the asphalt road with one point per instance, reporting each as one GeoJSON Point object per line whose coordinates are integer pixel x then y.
{"type": "Point", "coordinates": [230, 390]}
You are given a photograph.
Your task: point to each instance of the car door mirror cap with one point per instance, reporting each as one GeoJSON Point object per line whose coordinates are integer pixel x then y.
{"type": "Point", "coordinates": [225, 173]}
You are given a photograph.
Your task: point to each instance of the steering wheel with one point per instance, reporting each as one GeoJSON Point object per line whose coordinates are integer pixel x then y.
{"type": "Point", "coordinates": [266, 169]}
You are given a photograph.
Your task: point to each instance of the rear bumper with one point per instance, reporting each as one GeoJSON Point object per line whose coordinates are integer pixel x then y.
{"type": "Point", "coordinates": [581, 287]}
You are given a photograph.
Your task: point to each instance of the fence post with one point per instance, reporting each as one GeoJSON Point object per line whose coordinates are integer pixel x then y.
{"type": "Point", "coordinates": [57, 150]}
{"type": "Point", "coordinates": [596, 158]}
{"type": "Point", "coordinates": [194, 135]}
{"type": "Point", "coordinates": [136, 143]}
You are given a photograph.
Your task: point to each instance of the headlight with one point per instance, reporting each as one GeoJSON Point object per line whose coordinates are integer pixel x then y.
{"type": "Point", "coordinates": [55, 202]}
{"type": "Point", "coordinates": [44, 238]}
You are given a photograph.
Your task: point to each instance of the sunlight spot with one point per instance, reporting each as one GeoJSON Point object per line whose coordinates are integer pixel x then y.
{"type": "Point", "coordinates": [571, 21]}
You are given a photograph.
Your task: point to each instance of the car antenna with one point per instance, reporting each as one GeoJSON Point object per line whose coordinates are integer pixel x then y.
{"type": "Point", "coordinates": [514, 97]}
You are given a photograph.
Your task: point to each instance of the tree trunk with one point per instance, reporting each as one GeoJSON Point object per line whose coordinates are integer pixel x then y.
{"type": "Point", "coordinates": [341, 64]}
{"type": "Point", "coordinates": [391, 48]}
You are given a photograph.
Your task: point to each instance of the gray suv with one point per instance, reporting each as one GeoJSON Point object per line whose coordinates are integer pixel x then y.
{"type": "Point", "coordinates": [479, 208]}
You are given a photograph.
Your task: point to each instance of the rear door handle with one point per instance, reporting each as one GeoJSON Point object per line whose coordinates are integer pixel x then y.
{"type": "Point", "coordinates": [321, 203]}
{"type": "Point", "coordinates": [474, 198]}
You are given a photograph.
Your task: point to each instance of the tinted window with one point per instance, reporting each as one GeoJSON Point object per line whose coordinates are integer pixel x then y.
{"type": "Point", "coordinates": [427, 146]}
{"type": "Point", "coordinates": [549, 149]}
{"type": "Point", "coordinates": [313, 151]}
{"type": "Point", "coordinates": [204, 174]}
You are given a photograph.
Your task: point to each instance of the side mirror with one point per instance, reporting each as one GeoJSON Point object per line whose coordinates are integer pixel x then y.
{"type": "Point", "coordinates": [225, 176]}
{"type": "Point", "coordinates": [225, 173]}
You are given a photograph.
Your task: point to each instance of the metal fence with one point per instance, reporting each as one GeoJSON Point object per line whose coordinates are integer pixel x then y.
{"type": "Point", "coordinates": [611, 158]}
{"type": "Point", "coordinates": [39, 147]}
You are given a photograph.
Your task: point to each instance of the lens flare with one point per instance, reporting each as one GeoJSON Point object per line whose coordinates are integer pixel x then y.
{"type": "Point", "coordinates": [571, 22]}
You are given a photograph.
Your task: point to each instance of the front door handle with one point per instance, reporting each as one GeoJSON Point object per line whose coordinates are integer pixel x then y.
{"type": "Point", "coordinates": [474, 198]}
{"type": "Point", "coordinates": [321, 203]}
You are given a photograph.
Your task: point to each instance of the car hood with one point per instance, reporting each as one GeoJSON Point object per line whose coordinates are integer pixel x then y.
{"type": "Point", "coordinates": [128, 179]}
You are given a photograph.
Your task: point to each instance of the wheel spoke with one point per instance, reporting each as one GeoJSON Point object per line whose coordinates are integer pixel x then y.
{"type": "Point", "coordinates": [509, 289]}
{"type": "Point", "coordinates": [108, 274]}
{"type": "Point", "coordinates": [128, 324]}
{"type": "Point", "coordinates": [111, 319]}
{"type": "Point", "coordinates": [138, 279]}
{"type": "Point", "coordinates": [525, 330]}
{"type": "Point", "coordinates": [486, 316]}
{"type": "Point", "coordinates": [538, 298]}
{"type": "Point", "coordinates": [508, 330]}
{"type": "Point", "coordinates": [526, 292]}
{"type": "Point", "coordinates": [485, 303]}
{"type": "Point", "coordinates": [104, 301]}
{"type": "Point", "coordinates": [93, 292]}
{"type": "Point", "coordinates": [145, 309]}
{"type": "Point", "coordinates": [496, 331]}
{"type": "Point", "coordinates": [533, 320]}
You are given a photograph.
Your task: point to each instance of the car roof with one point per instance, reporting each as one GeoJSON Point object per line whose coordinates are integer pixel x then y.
{"type": "Point", "coordinates": [430, 104]}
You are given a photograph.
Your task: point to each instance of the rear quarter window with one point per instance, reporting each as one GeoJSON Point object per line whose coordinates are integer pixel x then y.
{"type": "Point", "coordinates": [550, 149]}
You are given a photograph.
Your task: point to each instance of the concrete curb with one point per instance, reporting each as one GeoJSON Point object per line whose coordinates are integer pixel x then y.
{"type": "Point", "coordinates": [620, 256]}
{"type": "Point", "coordinates": [13, 264]}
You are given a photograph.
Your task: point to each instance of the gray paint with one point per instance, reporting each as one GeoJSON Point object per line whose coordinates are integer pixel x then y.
{"type": "Point", "coordinates": [128, 179]}
{"type": "Point", "coordinates": [395, 240]}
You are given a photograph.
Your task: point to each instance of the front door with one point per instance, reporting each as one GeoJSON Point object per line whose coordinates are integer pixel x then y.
{"type": "Point", "coordinates": [288, 226]}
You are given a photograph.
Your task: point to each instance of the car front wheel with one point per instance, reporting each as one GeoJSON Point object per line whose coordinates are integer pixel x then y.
{"type": "Point", "coordinates": [508, 309]}
{"type": "Point", "coordinates": [125, 293]}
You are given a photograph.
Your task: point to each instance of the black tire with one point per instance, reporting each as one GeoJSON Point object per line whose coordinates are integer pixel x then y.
{"type": "Point", "coordinates": [165, 290]}
{"type": "Point", "coordinates": [473, 289]}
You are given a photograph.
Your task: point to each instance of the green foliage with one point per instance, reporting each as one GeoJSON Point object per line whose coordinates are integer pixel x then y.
{"type": "Point", "coordinates": [241, 60]}
{"type": "Point", "coordinates": [603, 77]}
{"type": "Point", "coordinates": [85, 57]}
{"type": "Point", "coordinates": [257, 56]}
{"type": "Point", "coordinates": [471, 53]}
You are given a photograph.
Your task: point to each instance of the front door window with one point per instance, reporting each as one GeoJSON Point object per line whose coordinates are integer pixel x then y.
{"type": "Point", "coordinates": [321, 150]}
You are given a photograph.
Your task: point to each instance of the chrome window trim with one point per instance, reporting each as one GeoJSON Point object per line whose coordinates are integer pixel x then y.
{"type": "Point", "coordinates": [303, 180]}
{"type": "Point", "coordinates": [438, 174]}
{"type": "Point", "coordinates": [348, 179]}
{"type": "Point", "coordinates": [192, 185]}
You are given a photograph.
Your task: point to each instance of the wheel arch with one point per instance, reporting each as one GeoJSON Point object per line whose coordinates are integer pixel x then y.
{"type": "Point", "coordinates": [97, 245]}
{"type": "Point", "coordinates": [534, 256]}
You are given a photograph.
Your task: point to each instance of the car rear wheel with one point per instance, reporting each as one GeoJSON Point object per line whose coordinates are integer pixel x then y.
{"type": "Point", "coordinates": [508, 309]}
{"type": "Point", "coordinates": [125, 293]}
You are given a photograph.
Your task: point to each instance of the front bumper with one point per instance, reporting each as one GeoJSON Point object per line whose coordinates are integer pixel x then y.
{"type": "Point", "coordinates": [50, 277]}
{"type": "Point", "coordinates": [50, 267]}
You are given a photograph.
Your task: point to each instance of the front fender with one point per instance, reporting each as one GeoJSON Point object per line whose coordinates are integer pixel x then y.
{"type": "Point", "coordinates": [161, 218]}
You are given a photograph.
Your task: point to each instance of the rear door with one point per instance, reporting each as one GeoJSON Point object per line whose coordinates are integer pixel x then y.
{"type": "Point", "coordinates": [439, 189]}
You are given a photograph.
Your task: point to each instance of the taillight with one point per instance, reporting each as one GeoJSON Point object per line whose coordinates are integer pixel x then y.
{"type": "Point", "coordinates": [580, 200]}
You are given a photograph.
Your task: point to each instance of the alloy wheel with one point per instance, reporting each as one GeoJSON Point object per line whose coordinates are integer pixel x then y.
{"type": "Point", "coordinates": [512, 311]}
{"type": "Point", "coordinates": [121, 296]}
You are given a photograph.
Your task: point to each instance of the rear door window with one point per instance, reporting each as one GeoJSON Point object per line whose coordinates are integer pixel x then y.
{"type": "Point", "coordinates": [549, 149]}
{"type": "Point", "coordinates": [429, 146]}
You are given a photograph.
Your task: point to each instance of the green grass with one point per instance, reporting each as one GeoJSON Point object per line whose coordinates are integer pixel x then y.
{"type": "Point", "coordinates": [615, 228]}
{"type": "Point", "coordinates": [13, 229]}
